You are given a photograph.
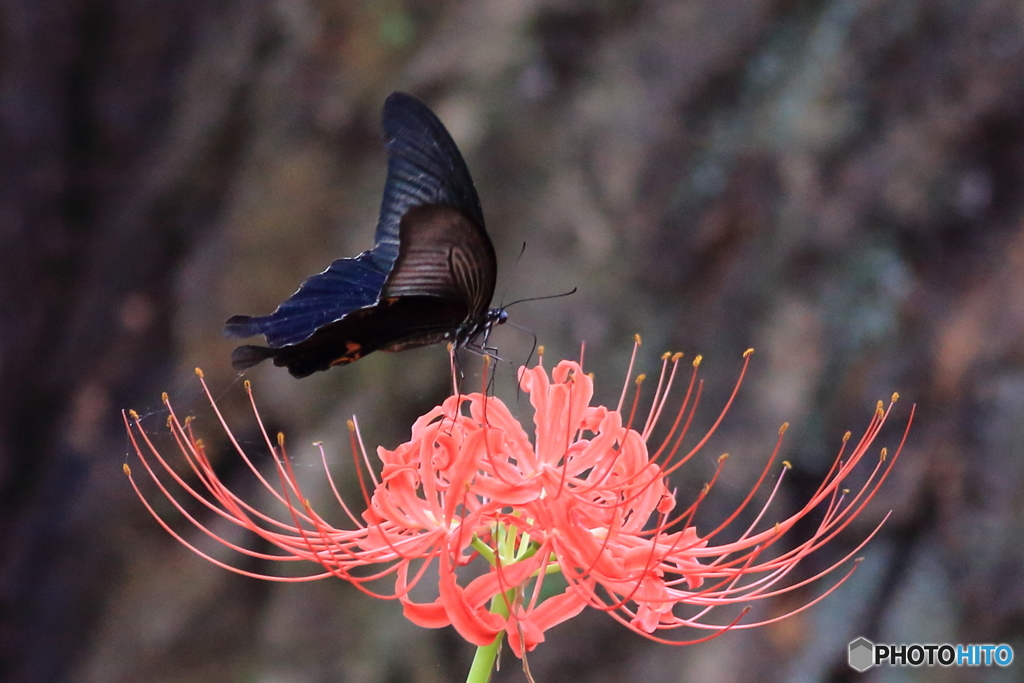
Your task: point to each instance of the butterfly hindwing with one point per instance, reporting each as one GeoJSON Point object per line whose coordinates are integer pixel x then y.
{"type": "Point", "coordinates": [444, 254]}
{"type": "Point", "coordinates": [393, 324]}
{"type": "Point", "coordinates": [348, 284]}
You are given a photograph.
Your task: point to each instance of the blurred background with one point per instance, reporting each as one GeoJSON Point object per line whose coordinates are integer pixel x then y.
{"type": "Point", "coordinates": [837, 183]}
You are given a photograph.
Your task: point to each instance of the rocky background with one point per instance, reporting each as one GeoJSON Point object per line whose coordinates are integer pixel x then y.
{"type": "Point", "coordinates": [837, 183]}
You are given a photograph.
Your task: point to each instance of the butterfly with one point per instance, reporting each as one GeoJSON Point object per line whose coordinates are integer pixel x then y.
{"type": "Point", "coordinates": [429, 277]}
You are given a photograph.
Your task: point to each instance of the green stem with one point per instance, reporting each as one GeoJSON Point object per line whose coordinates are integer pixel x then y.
{"type": "Point", "coordinates": [483, 661]}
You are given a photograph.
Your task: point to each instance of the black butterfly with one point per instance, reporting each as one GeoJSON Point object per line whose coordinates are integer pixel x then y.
{"type": "Point", "coordinates": [429, 277]}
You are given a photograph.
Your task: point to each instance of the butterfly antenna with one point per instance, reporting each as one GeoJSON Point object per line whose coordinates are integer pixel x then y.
{"type": "Point", "coordinates": [542, 298]}
{"type": "Point", "coordinates": [511, 272]}
{"type": "Point", "coordinates": [515, 264]}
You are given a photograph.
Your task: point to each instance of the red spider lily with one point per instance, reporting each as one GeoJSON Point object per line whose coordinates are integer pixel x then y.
{"type": "Point", "coordinates": [588, 498]}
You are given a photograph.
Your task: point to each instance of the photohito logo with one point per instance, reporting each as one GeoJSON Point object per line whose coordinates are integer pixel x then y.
{"type": "Point", "coordinates": [864, 654]}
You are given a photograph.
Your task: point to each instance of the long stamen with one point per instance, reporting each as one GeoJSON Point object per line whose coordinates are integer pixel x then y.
{"type": "Point", "coordinates": [629, 372]}
{"type": "Point", "coordinates": [588, 499]}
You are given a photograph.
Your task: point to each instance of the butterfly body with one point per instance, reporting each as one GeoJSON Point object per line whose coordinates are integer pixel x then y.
{"type": "Point", "coordinates": [429, 277]}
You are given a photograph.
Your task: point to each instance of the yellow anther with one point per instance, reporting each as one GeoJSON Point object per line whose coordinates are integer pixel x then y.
{"type": "Point", "coordinates": [666, 355]}
{"type": "Point", "coordinates": [164, 397]}
{"type": "Point", "coordinates": [846, 436]}
{"type": "Point", "coordinates": [787, 464]}
{"type": "Point", "coordinates": [127, 470]}
{"type": "Point", "coordinates": [677, 356]}
{"type": "Point", "coordinates": [351, 425]}
{"type": "Point", "coordinates": [783, 428]}
{"type": "Point", "coordinates": [636, 339]}
{"type": "Point", "coordinates": [247, 384]}
{"type": "Point", "coordinates": [884, 454]}
{"type": "Point", "coordinates": [895, 396]}
{"type": "Point", "coordinates": [723, 457]}
{"type": "Point", "coordinates": [199, 371]}
{"type": "Point", "coordinates": [280, 438]}
{"type": "Point", "coordinates": [133, 415]}
{"type": "Point", "coordinates": [697, 360]}
{"type": "Point", "coordinates": [746, 354]}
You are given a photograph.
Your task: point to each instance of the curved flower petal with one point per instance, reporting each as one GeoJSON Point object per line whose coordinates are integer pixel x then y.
{"type": "Point", "coordinates": [471, 499]}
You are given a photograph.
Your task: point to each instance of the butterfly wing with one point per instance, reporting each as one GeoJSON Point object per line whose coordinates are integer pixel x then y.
{"type": "Point", "coordinates": [444, 275]}
{"type": "Point", "coordinates": [424, 167]}
{"type": "Point", "coordinates": [347, 285]}
{"type": "Point", "coordinates": [385, 326]}
{"type": "Point", "coordinates": [432, 266]}
{"type": "Point", "coordinates": [444, 254]}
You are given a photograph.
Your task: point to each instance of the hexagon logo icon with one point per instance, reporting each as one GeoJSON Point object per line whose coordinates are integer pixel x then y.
{"type": "Point", "coordinates": [862, 654]}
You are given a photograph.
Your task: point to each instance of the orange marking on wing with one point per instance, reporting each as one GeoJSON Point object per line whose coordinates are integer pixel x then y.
{"type": "Point", "coordinates": [353, 352]}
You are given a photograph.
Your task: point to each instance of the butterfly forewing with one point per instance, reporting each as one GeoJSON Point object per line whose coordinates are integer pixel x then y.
{"type": "Point", "coordinates": [424, 167]}
{"type": "Point", "coordinates": [429, 276]}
